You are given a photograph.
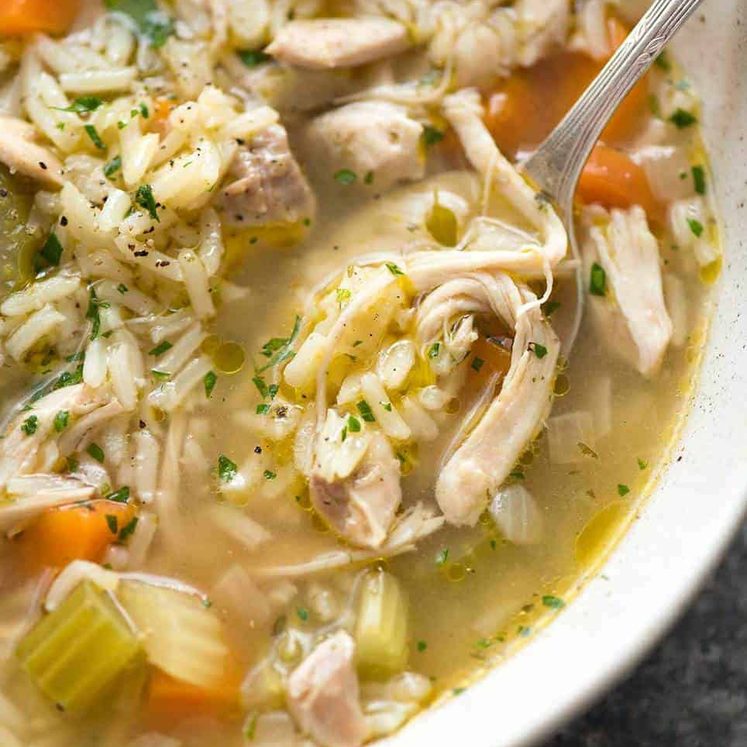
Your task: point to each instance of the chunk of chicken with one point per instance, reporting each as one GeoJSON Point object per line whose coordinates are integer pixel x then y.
{"type": "Point", "coordinates": [20, 152]}
{"type": "Point", "coordinates": [266, 184]}
{"type": "Point", "coordinates": [22, 448]}
{"type": "Point", "coordinates": [484, 459]}
{"type": "Point", "coordinates": [323, 694]}
{"type": "Point", "coordinates": [359, 499]}
{"type": "Point", "coordinates": [632, 315]}
{"type": "Point", "coordinates": [324, 43]}
{"type": "Point", "coordinates": [543, 24]}
{"type": "Point", "coordinates": [369, 137]}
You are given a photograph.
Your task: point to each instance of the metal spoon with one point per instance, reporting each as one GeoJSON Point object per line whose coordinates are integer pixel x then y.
{"type": "Point", "coordinates": [556, 165]}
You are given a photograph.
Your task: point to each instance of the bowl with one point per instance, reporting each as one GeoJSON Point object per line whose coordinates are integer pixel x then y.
{"type": "Point", "coordinates": [700, 497]}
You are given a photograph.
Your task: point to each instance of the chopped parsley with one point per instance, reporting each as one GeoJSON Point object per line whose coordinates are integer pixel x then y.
{"type": "Point", "coordinates": [663, 63]}
{"type": "Point", "coordinates": [622, 489]}
{"type": "Point", "coordinates": [699, 179]}
{"type": "Point", "coordinates": [30, 425]}
{"type": "Point", "coordinates": [161, 348]}
{"type": "Point", "coordinates": [303, 613]}
{"type": "Point", "coordinates": [682, 119]}
{"type": "Point", "coordinates": [82, 105]}
{"type": "Point", "coordinates": [354, 425]}
{"type": "Point", "coordinates": [122, 288]}
{"type": "Point", "coordinates": [96, 452]}
{"type": "Point", "coordinates": [551, 307]}
{"type": "Point", "coordinates": [128, 529]}
{"type": "Point", "coordinates": [95, 137]}
{"type": "Point", "coordinates": [143, 110]}
{"type": "Point", "coordinates": [477, 363]}
{"type": "Point", "coordinates": [369, 177]}
{"type": "Point", "coordinates": [442, 557]}
{"type": "Point", "coordinates": [598, 280]}
{"type": "Point", "coordinates": [50, 253]}
{"type": "Point", "coordinates": [253, 57]}
{"type": "Point", "coordinates": [695, 226]}
{"type": "Point", "coordinates": [92, 312]}
{"type": "Point", "coordinates": [386, 405]}
{"type": "Point", "coordinates": [112, 523]}
{"type": "Point", "coordinates": [394, 269]}
{"type": "Point", "coordinates": [153, 24]}
{"type": "Point", "coordinates": [553, 602]}
{"type": "Point", "coordinates": [434, 350]}
{"type": "Point", "coordinates": [459, 690]}
{"type": "Point", "coordinates": [269, 474]}
{"type": "Point", "coordinates": [642, 464]}
{"type": "Point", "coordinates": [432, 135]}
{"type": "Point", "coordinates": [539, 350]}
{"type": "Point", "coordinates": [365, 410]}
{"type": "Point", "coordinates": [119, 496]}
{"type": "Point", "coordinates": [61, 420]}
{"type": "Point", "coordinates": [422, 646]}
{"type": "Point", "coordinates": [209, 381]}
{"type": "Point", "coordinates": [159, 375]}
{"type": "Point", "coordinates": [345, 176]}
{"type": "Point", "coordinates": [113, 167]}
{"type": "Point", "coordinates": [144, 198]}
{"type": "Point", "coordinates": [263, 409]}
{"type": "Point", "coordinates": [226, 468]}
{"type": "Point", "coordinates": [280, 349]}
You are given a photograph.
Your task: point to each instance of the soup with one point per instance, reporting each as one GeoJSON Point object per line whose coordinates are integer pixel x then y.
{"type": "Point", "coordinates": [296, 440]}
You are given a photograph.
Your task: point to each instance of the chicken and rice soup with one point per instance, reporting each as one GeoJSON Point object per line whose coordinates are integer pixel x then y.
{"type": "Point", "coordinates": [291, 445]}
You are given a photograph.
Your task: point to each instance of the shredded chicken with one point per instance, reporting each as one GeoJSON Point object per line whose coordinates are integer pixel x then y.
{"type": "Point", "coordinates": [323, 694]}
{"type": "Point", "coordinates": [369, 137]}
{"type": "Point", "coordinates": [265, 184]}
{"type": "Point", "coordinates": [632, 315]}
{"type": "Point", "coordinates": [362, 505]}
{"type": "Point", "coordinates": [20, 152]}
{"type": "Point", "coordinates": [324, 43]}
{"type": "Point", "coordinates": [21, 450]}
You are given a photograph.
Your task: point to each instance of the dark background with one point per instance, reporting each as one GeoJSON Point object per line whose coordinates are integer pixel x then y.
{"type": "Point", "coordinates": [692, 690]}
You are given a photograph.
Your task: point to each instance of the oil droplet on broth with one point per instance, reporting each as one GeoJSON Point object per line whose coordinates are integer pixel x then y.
{"type": "Point", "coordinates": [229, 357]}
{"type": "Point", "coordinates": [599, 532]}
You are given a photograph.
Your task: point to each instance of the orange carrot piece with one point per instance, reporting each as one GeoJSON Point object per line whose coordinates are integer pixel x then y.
{"type": "Point", "coordinates": [612, 179]}
{"type": "Point", "coordinates": [28, 16]}
{"type": "Point", "coordinates": [83, 532]}
{"type": "Point", "coordinates": [486, 358]}
{"type": "Point", "coordinates": [170, 699]}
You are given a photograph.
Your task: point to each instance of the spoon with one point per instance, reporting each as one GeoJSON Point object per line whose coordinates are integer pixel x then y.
{"type": "Point", "coordinates": [556, 165]}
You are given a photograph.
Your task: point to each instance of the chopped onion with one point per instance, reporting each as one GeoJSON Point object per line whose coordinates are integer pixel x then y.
{"type": "Point", "coordinates": [517, 515]}
{"type": "Point", "coordinates": [568, 435]}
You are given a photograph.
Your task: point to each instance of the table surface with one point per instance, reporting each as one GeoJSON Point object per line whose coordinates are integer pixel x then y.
{"type": "Point", "coordinates": [692, 690]}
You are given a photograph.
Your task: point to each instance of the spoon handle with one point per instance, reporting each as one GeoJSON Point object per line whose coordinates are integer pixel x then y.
{"type": "Point", "coordinates": [557, 163]}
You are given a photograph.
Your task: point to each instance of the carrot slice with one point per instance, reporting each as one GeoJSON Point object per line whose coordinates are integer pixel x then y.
{"type": "Point", "coordinates": [82, 532]}
{"type": "Point", "coordinates": [170, 699]}
{"type": "Point", "coordinates": [28, 16]}
{"type": "Point", "coordinates": [612, 179]}
{"type": "Point", "coordinates": [486, 358]}
{"type": "Point", "coordinates": [523, 109]}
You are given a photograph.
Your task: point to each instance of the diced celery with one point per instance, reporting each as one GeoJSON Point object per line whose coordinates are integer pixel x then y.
{"type": "Point", "coordinates": [74, 653]}
{"type": "Point", "coordinates": [182, 636]}
{"type": "Point", "coordinates": [381, 626]}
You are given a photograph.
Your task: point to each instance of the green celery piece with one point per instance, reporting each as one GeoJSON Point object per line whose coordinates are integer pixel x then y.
{"type": "Point", "coordinates": [381, 627]}
{"type": "Point", "coordinates": [74, 653]}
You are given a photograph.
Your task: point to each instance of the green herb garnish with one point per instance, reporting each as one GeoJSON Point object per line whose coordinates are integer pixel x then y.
{"type": "Point", "coordinates": [161, 348]}
{"type": "Point", "coordinates": [696, 227]}
{"type": "Point", "coordinates": [253, 57]}
{"type": "Point", "coordinates": [280, 349]}
{"type": "Point", "coordinates": [365, 410]}
{"type": "Point", "coordinates": [598, 280]}
{"type": "Point", "coordinates": [622, 489]}
{"type": "Point", "coordinates": [113, 167]}
{"type": "Point", "coordinates": [442, 557]}
{"type": "Point", "coordinates": [354, 425]}
{"type": "Point", "coordinates": [96, 452]}
{"type": "Point", "coordinates": [345, 176]}
{"type": "Point", "coordinates": [539, 350]}
{"type": "Point", "coordinates": [144, 198]}
{"type": "Point", "coordinates": [394, 269]}
{"type": "Point", "coordinates": [95, 137]}
{"type": "Point", "coordinates": [61, 420]}
{"type": "Point", "coordinates": [112, 523]}
{"type": "Point", "coordinates": [699, 179]}
{"type": "Point", "coordinates": [303, 613]}
{"type": "Point", "coordinates": [209, 381]}
{"type": "Point", "coordinates": [226, 468]}
{"type": "Point", "coordinates": [432, 135]}
{"type": "Point", "coordinates": [553, 602]}
{"type": "Point", "coordinates": [128, 529]}
{"type": "Point", "coordinates": [82, 105]}
{"type": "Point", "coordinates": [434, 350]}
{"type": "Point", "coordinates": [51, 252]}
{"type": "Point", "coordinates": [153, 24]}
{"type": "Point", "coordinates": [682, 119]}
{"type": "Point", "coordinates": [30, 425]}
{"type": "Point", "coordinates": [119, 496]}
